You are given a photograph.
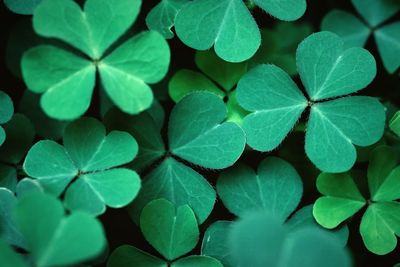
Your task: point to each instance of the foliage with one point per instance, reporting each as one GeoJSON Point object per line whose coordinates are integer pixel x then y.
{"type": "Point", "coordinates": [199, 133]}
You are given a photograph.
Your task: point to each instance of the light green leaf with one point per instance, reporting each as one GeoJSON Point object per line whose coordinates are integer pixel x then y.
{"type": "Point", "coordinates": [275, 110]}
{"type": "Point", "coordinates": [382, 174]}
{"type": "Point", "coordinates": [388, 42]}
{"type": "Point", "coordinates": [115, 188]}
{"type": "Point", "coordinates": [336, 125]}
{"type": "Point", "coordinates": [91, 150]}
{"type": "Point", "coordinates": [376, 12]}
{"type": "Point", "coordinates": [224, 73]}
{"type": "Point", "coordinates": [215, 243]}
{"type": "Point", "coordinates": [8, 228]}
{"type": "Point", "coordinates": [228, 25]}
{"type": "Point", "coordinates": [328, 70]}
{"type": "Point", "coordinates": [129, 256]}
{"type": "Point", "coordinates": [283, 9]}
{"type": "Point", "coordinates": [143, 128]}
{"type": "Point", "coordinates": [162, 17]}
{"type": "Point", "coordinates": [197, 132]}
{"type": "Point", "coordinates": [51, 236]}
{"type": "Point", "coordinates": [379, 227]}
{"type": "Point", "coordinates": [276, 187]}
{"type": "Point", "coordinates": [67, 91]}
{"type": "Point", "coordinates": [350, 28]}
{"type": "Point", "coordinates": [23, 7]}
{"type": "Point", "coordinates": [179, 184]}
{"type": "Point", "coordinates": [9, 258]}
{"type": "Point", "coordinates": [186, 81]}
{"type": "Point", "coordinates": [92, 30]}
{"type": "Point", "coordinates": [58, 171]}
{"type": "Point", "coordinates": [127, 70]}
{"type": "Point", "coordinates": [171, 230]}
{"type": "Point", "coordinates": [341, 199]}
{"type": "Point", "coordinates": [198, 261]}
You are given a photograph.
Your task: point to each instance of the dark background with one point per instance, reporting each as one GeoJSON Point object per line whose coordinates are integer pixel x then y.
{"type": "Point", "coordinates": [121, 230]}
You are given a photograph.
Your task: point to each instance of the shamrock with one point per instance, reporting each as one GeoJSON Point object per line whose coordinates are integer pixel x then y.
{"type": "Point", "coordinates": [197, 134]}
{"type": "Point", "coordinates": [51, 236]}
{"type": "Point", "coordinates": [67, 80]}
{"type": "Point", "coordinates": [355, 32]}
{"type": "Point", "coordinates": [281, 54]}
{"type": "Point", "coordinates": [275, 190]}
{"type": "Point", "coordinates": [229, 26]}
{"type": "Point", "coordinates": [220, 78]}
{"type": "Point", "coordinates": [23, 7]}
{"type": "Point", "coordinates": [172, 231]}
{"type": "Point", "coordinates": [342, 199]}
{"type": "Point", "coordinates": [6, 112]}
{"type": "Point", "coordinates": [328, 72]}
{"type": "Point", "coordinates": [86, 167]}
{"type": "Point", "coordinates": [162, 17]}
{"type": "Point", "coordinates": [20, 135]}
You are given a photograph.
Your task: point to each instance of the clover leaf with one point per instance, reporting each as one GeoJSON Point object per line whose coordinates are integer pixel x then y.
{"type": "Point", "coordinates": [86, 167]}
{"type": "Point", "coordinates": [23, 7]}
{"type": "Point", "coordinates": [275, 190]}
{"type": "Point", "coordinates": [172, 231]}
{"type": "Point", "coordinates": [356, 32]}
{"type": "Point", "coordinates": [263, 235]}
{"type": "Point", "coordinates": [281, 53]}
{"type": "Point", "coordinates": [6, 112]}
{"type": "Point", "coordinates": [124, 72]}
{"type": "Point", "coordinates": [51, 236]}
{"type": "Point", "coordinates": [228, 25]}
{"type": "Point", "coordinates": [198, 134]}
{"type": "Point", "coordinates": [342, 199]}
{"type": "Point", "coordinates": [9, 257]}
{"type": "Point", "coordinates": [162, 17]}
{"type": "Point", "coordinates": [220, 78]}
{"type": "Point", "coordinates": [20, 135]}
{"type": "Point", "coordinates": [335, 125]}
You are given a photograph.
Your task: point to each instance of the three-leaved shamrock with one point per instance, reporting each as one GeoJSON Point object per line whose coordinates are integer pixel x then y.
{"type": "Point", "coordinates": [355, 31]}
{"type": "Point", "coordinates": [51, 236]}
{"type": "Point", "coordinates": [86, 167]}
{"type": "Point", "coordinates": [336, 122]}
{"type": "Point", "coordinates": [342, 199]}
{"type": "Point", "coordinates": [198, 135]}
{"type": "Point", "coordinates": [265, 200]}
{"type": "Point", "coordinates": [229, 26]}
{"type": "Point", "coordinates": [6, 112]}
{"type": "Point", "coordinates": [172, 231]}
{"type": "Point", "coordinates": [216, 76]}
{"type": "Point", "coordinates": [66, 79]}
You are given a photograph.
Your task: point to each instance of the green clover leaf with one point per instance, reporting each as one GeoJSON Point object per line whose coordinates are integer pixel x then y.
{"type": "Point", "coordinates": [6, 112]}
{"type": "Point", "coordinates": [9, 257]}
{"type": "Point", "coordinates": [162, 17]}
{"type": "Point", "coordinates": [197, 133]}
{"type": "Point", "coordinates": [282, 54]}
{"type": "Point", "coordinates": [172, 231]}
{"type": "Point", "coordinates": [86, 167]}
{"type": "Point", "coordinates": [328, 71]}
{"type": "Point", "coordinates": [229, 26]}
{"type": "Point", "coordinates": [263, 235]}
{"type": "Point", "coordinates": [355, 32]}
{"type": "Point", "coordinates": [220, 77]}
{"type": "Point", "coordinates": [51, 236]}
{"type": "Point", "coordinates": [381, 221]}
{"type": "Point", "coordinates": [123, 78]}
{"type": "Point", "coordinates": [277, 187]}
{"type": "Point", "coordinates": [23, 7]}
